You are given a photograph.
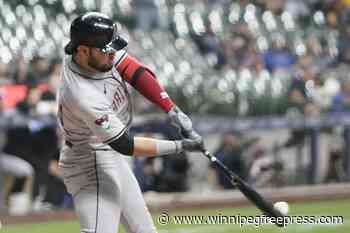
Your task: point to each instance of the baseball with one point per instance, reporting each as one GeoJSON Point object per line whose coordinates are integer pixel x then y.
{"type": "Point", "coordinates": [282, 206]}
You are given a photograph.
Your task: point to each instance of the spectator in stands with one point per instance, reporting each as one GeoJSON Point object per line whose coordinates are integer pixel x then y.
{"type": "Point", "coordinates": [335, 170]}
{"type": "Point", "coordinates": [323, 91]}
{"type": "Point", "coordinates": [145, 173]}
{"type": "Point", "coordinates": [252, 60]}
{"type": "Point", "coordinates": [230, 152]}
{"type": "Point", "coordinates": [279, 57]}
{"type": "Point", "coordinates": [235, 49]}
{"type": "Point", "coordinates": [174, 174]}
{"type": "Point", "coordinates": [37, 71]}
{"type": "Point", "coordinates": [147, 14]}
{"type": "Point", "coordinates": [319, 52]}
{"type": "Point", "coordinates": [300, 103]}
{"type": "Point", "coordinates": [341, 101]}
{"type": "Point", "coordinates": [49, 94]}
{"type": "Point", "coordinates": [19, 71]}
{"type": "Point", "coordinates": [299, 93]}
{"type": "Point", "coordinates": [338, 13]}
{"type": "Point", "coordinates": [210, 46]}
{"type": "Point", "coordinates": [4, 76]}
{"type": "Point", "coordinates": [168, 174]}
{"type": "Point", "coordinates": [27, 107]}
{"type": "Point", "coordinates": [265, 170]}
{"type": "Point", "coordinates": [342, 65]}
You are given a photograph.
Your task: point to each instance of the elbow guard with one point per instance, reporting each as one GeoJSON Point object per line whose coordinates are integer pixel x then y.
{"type": "Point", "coordinates": [123, 144]}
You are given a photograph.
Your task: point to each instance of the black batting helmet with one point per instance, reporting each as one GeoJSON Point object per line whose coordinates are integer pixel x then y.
{"type": "Point", "coordinates": [97, 30]}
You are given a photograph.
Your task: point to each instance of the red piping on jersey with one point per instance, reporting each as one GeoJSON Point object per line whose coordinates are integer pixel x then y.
{"type": "Point", "coordinates": [145, 82]}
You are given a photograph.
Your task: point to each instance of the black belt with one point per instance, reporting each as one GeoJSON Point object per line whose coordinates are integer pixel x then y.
{"type": "Point", "coordinates": [69, 144]}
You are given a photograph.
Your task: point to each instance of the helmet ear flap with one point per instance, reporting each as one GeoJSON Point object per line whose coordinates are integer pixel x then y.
{"type": "Point", "coordinates": [70, 48]}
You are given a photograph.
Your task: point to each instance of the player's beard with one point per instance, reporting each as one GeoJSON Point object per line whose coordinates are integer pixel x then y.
{"type": "Point", "coordinates": [95, 63]}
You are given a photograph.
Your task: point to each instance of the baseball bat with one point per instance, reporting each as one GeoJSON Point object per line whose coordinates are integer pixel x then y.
{"type": "Point", "coordinates": [250, 193]}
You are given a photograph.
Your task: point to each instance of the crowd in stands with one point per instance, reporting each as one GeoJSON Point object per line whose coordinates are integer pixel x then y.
{"type": "Point", "coordinates": [233, 58]}
{"type": "Point", "coordinates": [226, 53]}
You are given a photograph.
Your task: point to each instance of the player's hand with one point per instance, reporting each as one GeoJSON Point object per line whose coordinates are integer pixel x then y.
{"type": "Point", "coordinates": [184, 123]}
{"type": "Point", "coordinates": [192, 144]}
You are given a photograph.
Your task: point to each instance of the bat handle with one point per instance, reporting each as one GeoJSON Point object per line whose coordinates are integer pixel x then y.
{"type": "Point", "coordinates": [208, 155]}
{"type": "Point", "coordinates": [218, 163]}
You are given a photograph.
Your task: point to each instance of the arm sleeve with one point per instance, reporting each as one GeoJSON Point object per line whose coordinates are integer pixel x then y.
{"type": "Point", "coordinates": [143, 80]}
{"type": "Point", "coordinates": [97, 113]}
{"type": "Point", "coordinates": [124, 144]}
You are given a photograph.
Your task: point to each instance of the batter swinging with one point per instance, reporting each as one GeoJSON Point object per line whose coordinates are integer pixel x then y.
{"type": "Point", "coordinates": [95, 115]}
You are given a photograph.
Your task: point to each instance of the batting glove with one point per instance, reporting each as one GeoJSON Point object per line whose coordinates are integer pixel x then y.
{"type": "Point", "coordinates": [184, 123]}
{"type": "Point", "coordinates": [192, 144]}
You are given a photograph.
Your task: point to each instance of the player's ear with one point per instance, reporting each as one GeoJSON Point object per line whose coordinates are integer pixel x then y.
{"type": "Point", "coordinates": [83, 49]}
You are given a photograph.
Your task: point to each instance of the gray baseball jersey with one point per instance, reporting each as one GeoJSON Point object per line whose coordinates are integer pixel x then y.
{"type": "Point", "coordinates": [95, 110]}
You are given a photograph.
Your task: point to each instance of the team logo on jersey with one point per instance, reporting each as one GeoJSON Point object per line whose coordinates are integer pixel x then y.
{"type": "Point", "coordinates": [103, 122]}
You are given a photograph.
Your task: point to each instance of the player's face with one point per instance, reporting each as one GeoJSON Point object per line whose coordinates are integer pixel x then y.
{"type": "Point", "coordinates": [100, 61]}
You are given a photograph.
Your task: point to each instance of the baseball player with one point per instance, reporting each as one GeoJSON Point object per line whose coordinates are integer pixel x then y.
{"type": "Point", "coordinates": [95, 115]}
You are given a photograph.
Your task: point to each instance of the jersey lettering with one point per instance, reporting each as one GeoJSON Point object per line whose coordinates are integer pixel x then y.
{"type": "Point", "coordinates": [118, 98]}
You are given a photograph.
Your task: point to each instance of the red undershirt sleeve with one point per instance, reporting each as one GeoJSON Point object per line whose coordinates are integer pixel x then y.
{"type": "Point", "coordinates": [144, 81]}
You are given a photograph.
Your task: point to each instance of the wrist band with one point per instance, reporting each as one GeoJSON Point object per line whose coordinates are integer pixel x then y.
{"type": "Point", "coordinates": [166, 147]}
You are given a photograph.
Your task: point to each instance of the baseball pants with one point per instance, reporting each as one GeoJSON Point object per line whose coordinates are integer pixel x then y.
{"type": "Point", "coordinates": [17, 167]}
{"type": "Point", "coordinates": [105, 192]}
{"type": "Point", "coordinates": [13, 166]}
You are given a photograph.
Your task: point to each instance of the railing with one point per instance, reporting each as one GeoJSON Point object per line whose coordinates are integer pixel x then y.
{"type": "Point", "coordinates": [314, 125]}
